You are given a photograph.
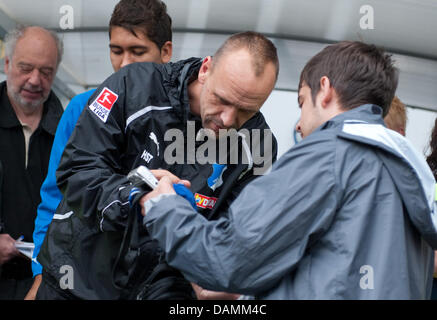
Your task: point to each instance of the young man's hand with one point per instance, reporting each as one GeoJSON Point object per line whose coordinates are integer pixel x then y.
{"type": "Point", "coordinates": [165, 186]}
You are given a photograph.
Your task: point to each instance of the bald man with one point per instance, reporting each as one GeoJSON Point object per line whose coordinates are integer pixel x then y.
{"type": "Point", "coordinates": [148, 103]}
{"type": "Point", "coordinates": [29, 114]}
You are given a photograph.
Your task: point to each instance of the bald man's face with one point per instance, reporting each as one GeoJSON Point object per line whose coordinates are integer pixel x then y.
{"type": "Point", "coordinates": [31, 69]}
{"type": "Point", "coordinates": [231, 92]}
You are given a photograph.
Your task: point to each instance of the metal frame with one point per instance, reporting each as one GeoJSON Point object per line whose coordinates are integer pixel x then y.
{"type": "Point", "coordinates": [425, 99]}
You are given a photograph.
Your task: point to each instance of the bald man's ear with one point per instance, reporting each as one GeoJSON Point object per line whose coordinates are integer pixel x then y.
{"type": "Point", "coordinates": [205, 69]}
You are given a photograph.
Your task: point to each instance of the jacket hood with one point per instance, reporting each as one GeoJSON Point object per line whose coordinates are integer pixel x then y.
{"type": "Point", "coordinates": [177, 77]}
{"type": "Point", "coordinates": [410, 172]}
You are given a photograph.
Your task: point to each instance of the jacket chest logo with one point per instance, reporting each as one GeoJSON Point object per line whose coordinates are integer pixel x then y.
{"type": "Point", "coordinates": [150, 151]}
{"type": "Point", "coordinates": [154, 139]}
{"type": "Point", "coordinates": [146, 156]}
{"type": "Point", "coordinates": [216, 179]}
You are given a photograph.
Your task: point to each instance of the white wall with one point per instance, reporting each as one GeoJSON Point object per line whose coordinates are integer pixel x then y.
{"type": "Point", "coordinates": [419, 127]}
{"type": "Point", "coordinates": [282, 113]}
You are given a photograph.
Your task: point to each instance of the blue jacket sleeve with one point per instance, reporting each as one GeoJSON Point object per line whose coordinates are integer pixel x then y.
{"type": "Point", "coordinates": [50, 194]}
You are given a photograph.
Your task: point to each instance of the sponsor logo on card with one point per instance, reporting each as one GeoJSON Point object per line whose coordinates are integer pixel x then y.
{"type": "Point", "coordinates": [204, 201]}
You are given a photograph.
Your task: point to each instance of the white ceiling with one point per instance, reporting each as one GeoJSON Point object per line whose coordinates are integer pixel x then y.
{"type": "Point", "coordinates": [299, 28]}
{"type": "Point", "coordinates": [406, 25]}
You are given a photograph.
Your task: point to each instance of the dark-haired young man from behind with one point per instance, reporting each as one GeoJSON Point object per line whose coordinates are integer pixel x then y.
{"type": "Point", "coordinates": [350, 209]}
{"type": "Point", "coordinates": [139, 31]}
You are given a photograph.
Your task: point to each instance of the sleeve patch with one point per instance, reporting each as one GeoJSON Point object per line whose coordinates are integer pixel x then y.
{"type": "Point", "coordinates": [103, 104]}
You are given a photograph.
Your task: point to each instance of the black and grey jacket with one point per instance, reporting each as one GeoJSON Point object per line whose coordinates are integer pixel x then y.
{"type": "Point", "coordinates": [353, 217]}
{"type": "Point", "coordinates": [125, 126]}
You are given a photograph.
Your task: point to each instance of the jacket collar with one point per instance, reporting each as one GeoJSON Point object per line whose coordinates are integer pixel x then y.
{"type": "Point", "coordinates": [8, 119]}
{"type": "Point", "coordinates": [51, 114]}
{"type": "Point", "coordinates": [369, 113]}
{"type": "Point", "coordinates": [180, 74]}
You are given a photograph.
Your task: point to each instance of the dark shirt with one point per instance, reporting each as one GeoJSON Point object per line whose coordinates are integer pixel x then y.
{"type": "Point", "coordinates": [20, 185]}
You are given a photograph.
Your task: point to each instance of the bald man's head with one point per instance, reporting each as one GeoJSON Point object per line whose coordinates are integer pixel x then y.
{"type": "Point", "coordinates": [261, 51]}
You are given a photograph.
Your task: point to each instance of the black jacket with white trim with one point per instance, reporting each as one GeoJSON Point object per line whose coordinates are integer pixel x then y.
{"type": "Point", "coordinates": [122, 128]}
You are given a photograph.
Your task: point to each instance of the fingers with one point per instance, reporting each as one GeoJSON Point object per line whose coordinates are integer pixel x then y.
{"type": "Point", "coordinates": [165, 186]}
{"type": "Point", "coordinates": [203, 294]}
{"type": "Point", "coordinates": [159, 174]}
{"type": "Point", "coordinates": [197, 290]}
{"type": "Point", "coordinates": [7, 248]}
{"type": "Point", "coordinates": [186, 183]}
{"type": "Point", "coordinates": [8, 241]}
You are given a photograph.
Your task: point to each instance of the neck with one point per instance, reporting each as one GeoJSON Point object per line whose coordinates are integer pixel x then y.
{"type": "Point", "coordinates": [194, 89]}
{"type": "Point", "coordinates": [334, 109]}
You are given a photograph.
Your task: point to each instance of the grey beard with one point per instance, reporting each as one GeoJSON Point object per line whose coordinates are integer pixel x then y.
{"type": "Point", "coordinates": [29, 106]}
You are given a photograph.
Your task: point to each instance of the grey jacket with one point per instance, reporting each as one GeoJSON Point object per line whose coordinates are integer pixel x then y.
{"type": "Point", "coordinates": [348, 213]}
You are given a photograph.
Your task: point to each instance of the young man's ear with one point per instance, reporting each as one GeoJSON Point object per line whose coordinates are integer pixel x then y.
{"type": "Point", "coordinates": [166, 52]}
{"type": "Point", "coordinates": [205, 69]}
{"type": "Point", "coordinates": [326, 91]}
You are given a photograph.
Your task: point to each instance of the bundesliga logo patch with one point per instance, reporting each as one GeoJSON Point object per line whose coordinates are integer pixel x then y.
{"type": "Point", "coordinates": [204, 201]}
{"type": "Point", "coordinates": [103, 104]}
